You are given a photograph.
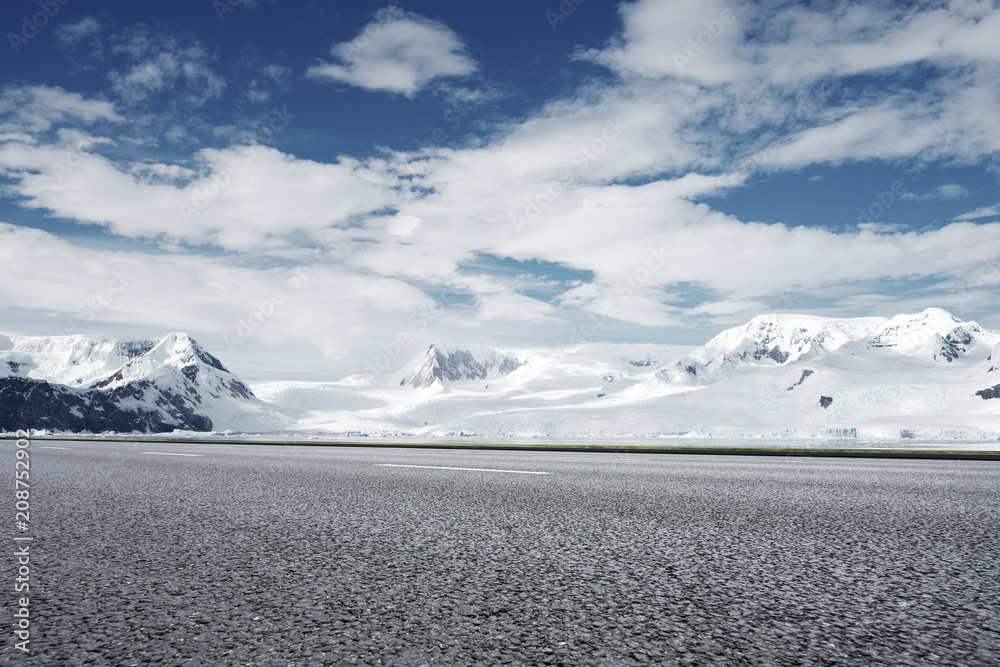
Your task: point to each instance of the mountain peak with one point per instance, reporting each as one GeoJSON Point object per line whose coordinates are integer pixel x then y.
{"type": "Point", "coordinates": [770, 339]}
{"type": "Point", "coordinates": [778, 339]}
{"type": "Point", "coordinates": [909, 333]}
{"type": "Point", "coordinates": [179, 360]}
{"type": "Point", "coordinates": [181, 349]}
{"type": "Point", "coordinates": [444, 362]}
{"type": "Point", "coordinates": [95, 383]}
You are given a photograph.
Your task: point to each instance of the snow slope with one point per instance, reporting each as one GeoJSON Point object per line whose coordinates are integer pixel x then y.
{"type": "Point", "coordinates": [777, 376]}
{"type": "Point", "coordinates": [928, 375]}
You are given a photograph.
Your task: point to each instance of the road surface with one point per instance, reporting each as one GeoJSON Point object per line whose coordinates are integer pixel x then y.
{"type": "Point", "coordinates": [195, 554]}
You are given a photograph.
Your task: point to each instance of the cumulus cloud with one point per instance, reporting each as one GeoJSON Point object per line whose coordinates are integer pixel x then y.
{"type": "Point", "coordinates": [398, 53]}
{"type": "Point", "coordinates": [242, 198]}
{"type": "Point", "coordinates": [701, 40]}
{"type": "Point", "coordinates": [780, 83]}
{"type": "Point", "coordinates": [793, 44]}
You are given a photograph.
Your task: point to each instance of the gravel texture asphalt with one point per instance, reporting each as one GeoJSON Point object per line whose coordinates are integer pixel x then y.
{"type": "Point", "coordinates": [258, 555]}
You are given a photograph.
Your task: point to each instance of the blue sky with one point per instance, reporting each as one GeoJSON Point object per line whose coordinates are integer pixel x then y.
{"type": "Point", "coordinates": [304, 186]}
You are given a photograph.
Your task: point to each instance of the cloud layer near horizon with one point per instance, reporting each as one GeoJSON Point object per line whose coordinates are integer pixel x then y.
{"type": "Point", "coordinates": [600, 187]}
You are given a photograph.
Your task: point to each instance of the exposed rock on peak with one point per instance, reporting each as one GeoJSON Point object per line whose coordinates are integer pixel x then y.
{"type": "Point", "coordinates": [767, 340]}
{"type": "Point", "coordinates": [461, 364]}
{"type": "Point", "coordinates": [98, 383]}
{"type": "Point", "coordinates": [774, 340]}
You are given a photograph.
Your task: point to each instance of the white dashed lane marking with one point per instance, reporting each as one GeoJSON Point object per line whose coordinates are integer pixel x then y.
{"type": "Point", "coordinates": [521, 472]}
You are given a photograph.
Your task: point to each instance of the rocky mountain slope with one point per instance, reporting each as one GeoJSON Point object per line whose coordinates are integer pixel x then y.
{"type": "Point", "coordinates": [447, 364]}
{"type": "Point", "coordinates": [97, 383]}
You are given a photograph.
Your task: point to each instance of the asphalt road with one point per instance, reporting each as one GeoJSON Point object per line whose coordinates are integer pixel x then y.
{"type": "Point", "coordinates": [248, 555]}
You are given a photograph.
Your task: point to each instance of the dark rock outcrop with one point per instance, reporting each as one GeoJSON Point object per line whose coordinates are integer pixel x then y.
{"type": "Point", "coordinates": [989, 392]}
{"type": "Point", "coordinates": [27, 403]}
{"type": "Point", "coordinates": [805, 374]}
{"type": "Point", "coordinates": [825, 401]}
{"type": "Point", "coordinates": [954, 345]}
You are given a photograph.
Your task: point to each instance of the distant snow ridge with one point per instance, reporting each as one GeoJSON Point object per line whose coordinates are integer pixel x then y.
{"type": "Point", "coordinates": [775, 340]}
{"type": "Point", "coordinates": [767, 340]}
{"type": "Point", "coordinates": [935, 332]}
{"type": "Point", "coordinates": [457, 364]}
{"type": "Point", "coordinates": [928, 375]}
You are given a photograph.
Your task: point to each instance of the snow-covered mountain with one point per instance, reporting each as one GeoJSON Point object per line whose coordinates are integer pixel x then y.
{"type": "Point", "coordinates": [767, 340]}
{"type": "Point", "coordinates": [924, 375]}
{"type": "Point", "coordinates": [776, 340]}
{"type": "Point", "coordinates": [928, 375]}
{"type": "Point", "coordinates": [98, 383]}
{"type": "Point", "coordinates": [451, 363]}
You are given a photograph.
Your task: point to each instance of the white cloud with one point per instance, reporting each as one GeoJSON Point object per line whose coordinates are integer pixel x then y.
{"type": "Point", "coordinates": [242, 198]}
{"type": "Point", "coordinates": [948, 191]}
{"type": "Point", "coordinates": [36, 109]}
{"type": "Point", "coordinates": [71, 34]}
{"type": "Point", "coordinates": [981, 212]}
{"type": "Point", "coordinates": [678, 38]}
{"type": "Point", "coordinates": [513, 307]}
{"type": "Point", "coordinates": [602, 183]}
{"type": "Point", "coordinates": [398, 53]}
{"type": "Point", "coordinates": [270, 79]}
{"type": "Point", "coordinates": [793, 44]}
{"type": "Point", "coordinates": [87, 289]}
{"type": "Point", "coordinates": [451, 206]}
{"type": "Point", "coordinates": [784, 99]}
{"type": "Point", "coordinates": [158, 63]}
